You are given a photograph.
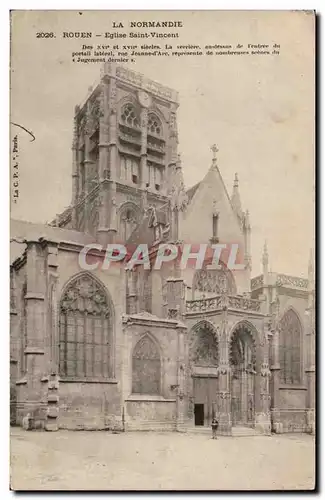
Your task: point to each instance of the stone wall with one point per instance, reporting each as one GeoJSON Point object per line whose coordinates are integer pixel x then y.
{"type": "Point", "coordinates": [149, 414]}
{"type": "Point", "coordinates": [152, 411]}
{"type": "Point", "coordinates": [290, 420]}
{"type": "Point", "coordinates": [89, 406]}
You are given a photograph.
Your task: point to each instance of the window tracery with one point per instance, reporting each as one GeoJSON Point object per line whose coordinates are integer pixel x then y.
{"type": "Point", "coordinates": [129, 116]}
{"type": "Point", "coordinates": [146, 367]}
{"type": "Point", "coordinates": [290, 352]}
{"type": "Point", "coordinates": [154, 125]}
{"type": "Point", "coordinates": [85, 327]}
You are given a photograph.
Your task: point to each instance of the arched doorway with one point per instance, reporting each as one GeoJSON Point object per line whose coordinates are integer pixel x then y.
{"type": "Point", "coordinates": [204, 359]}
{"type": "Point", "coordinates": [243, 376]}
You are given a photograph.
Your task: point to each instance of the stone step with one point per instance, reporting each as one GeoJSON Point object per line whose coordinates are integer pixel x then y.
{"type": "Point", "coordinates": [199, 429]}
{"type": "Point", "coordinates": [235, 431]}
{"type": "Point", "coordinates": [242, 431]}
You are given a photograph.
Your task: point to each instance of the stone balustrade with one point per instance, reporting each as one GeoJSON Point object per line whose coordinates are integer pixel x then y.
{"type": "Point", "coordinates": [218, 302]}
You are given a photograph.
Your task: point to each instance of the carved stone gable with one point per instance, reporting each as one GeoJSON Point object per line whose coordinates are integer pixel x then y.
{"type": "Point", "coordinates": [214, 281]}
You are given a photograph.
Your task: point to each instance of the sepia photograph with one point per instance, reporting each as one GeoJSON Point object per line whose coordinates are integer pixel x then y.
{"type": "Point", "coordinates": [162, 250]}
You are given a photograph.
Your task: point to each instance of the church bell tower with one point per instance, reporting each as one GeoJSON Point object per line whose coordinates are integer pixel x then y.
{"type": "Point", "coordinates": [124, 154]}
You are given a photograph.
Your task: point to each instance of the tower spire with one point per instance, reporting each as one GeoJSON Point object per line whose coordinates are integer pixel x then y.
{"type": "Point", "coordinates": [214, 149]}
{"type": "Point", "coordinates": [235, 198]}
{"type": "Point", "coordinates": [265, 261]}
{"type": "Point", "coordinates": [247, 220]}
{"type": "Point", "coordinates": [311, 268]}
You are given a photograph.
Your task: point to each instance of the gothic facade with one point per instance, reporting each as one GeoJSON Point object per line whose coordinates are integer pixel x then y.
{"type": "Point", "coordinates": [151, 349]}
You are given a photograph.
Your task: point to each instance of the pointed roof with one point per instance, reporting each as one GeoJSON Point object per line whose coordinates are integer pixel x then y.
{"type": "Point", "coordinates": [212, 174]}
{"type": "Point", "coordinates": [192, 190]}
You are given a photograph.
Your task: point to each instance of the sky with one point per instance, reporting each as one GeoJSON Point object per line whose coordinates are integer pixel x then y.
{"type": "Point", "coordinates": [259, 110]}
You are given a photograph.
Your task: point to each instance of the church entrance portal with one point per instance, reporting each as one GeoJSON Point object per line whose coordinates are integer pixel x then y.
{"type": "Point", "coordinates": [199, 414]}
{"type": "Point", "coordinates": [205, 392]}
{"type": "Point", "coordinates": [243, 377]}
{"type": "Point", "coordinates": [204, 359]}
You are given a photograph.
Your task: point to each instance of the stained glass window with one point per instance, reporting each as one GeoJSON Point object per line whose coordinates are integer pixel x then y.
{"type": "Point", "coordinates": [290, 352]}
{"type": "Point", "coordinates": [85, 330]}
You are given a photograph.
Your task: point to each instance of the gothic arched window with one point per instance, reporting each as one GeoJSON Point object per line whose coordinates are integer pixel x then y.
{"type": "Point", "coordinates": [129, 116]}
{"type": "Point", "coordinates": [128, 220]}
{"type": "Point", "coordinates": [154, 125]}
{"type": "Point", "coordinates": [290, 348]}
{"type": "Point", "coordinates": [85, 330]}
{"type": "Point", "coordinates": [146, 367]}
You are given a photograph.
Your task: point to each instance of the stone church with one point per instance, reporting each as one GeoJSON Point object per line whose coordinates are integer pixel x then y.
{"type": "Point", "coordinates": [148, 349]}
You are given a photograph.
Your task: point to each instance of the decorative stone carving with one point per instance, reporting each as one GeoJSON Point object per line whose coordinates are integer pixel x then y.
{"type": "Point", "coordinates": [265, 371]}
{"type": "Point", "coordinates": [284, 280]}
{"type": "Point", "coordinates": [75, 133]}
{"type": "Point", "coordinates": [214, 281]}
{"type": "Point", "coordinates": [179, 198]}
{"type": "Point", "coordinates": [82, 127]}
{"type": "Point", "coordinates": [204, 304]}
{"type": "Point", "coordinates": [93, 116]}
{"type": "Point", "coordinates": [257, 282]}
{"type": "Point", "coordinates": [172, 122]}
{"type": "Point", "coordinates": [85, 295]}
{"type": "Point", "coordinates": [244, 303]}
{"type": "Point", "coordinates": [204, 346]}
{"type": "Point", "coordinates": [173, 313]}
{"type": "Point", "coordinates": [243, 348]}
{"type": "Point", "coordinates": [222, 302]}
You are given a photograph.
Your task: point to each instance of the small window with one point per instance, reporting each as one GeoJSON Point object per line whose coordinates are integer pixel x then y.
{"type": "Point", "coordinates": [134, 179]}
{"type": "Point", "coordinates": [147, 184]}
{"type": "Point", "coordinates": [154, 125]}
{"type": "Point", "coordinates": [157, 186]}
{"type": "Point", "coordinates": [128, 116]}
